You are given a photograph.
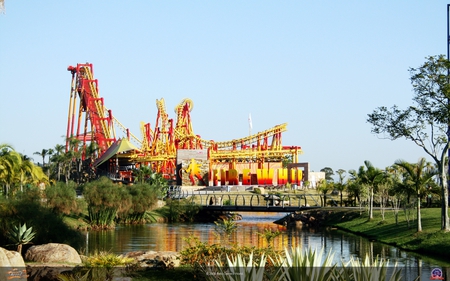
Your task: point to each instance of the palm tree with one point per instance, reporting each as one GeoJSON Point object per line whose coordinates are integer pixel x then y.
{"type": "Point", "coordinates": [58, 159]}
{"type": "Point", "coordinates": [340, 186]}
{"type": "Point", "coordinates": [9, 160]}
{"type": "Point", "coordinates": [419, 176]}
{"type": "Point", "coordinates": [43, 154]}
{"type": "Point", "coordinates": [76, 153]}
{"type": "Point", "coordinates": [324, 186]}
{"type": "Point", "coordinates": [24, 168]}
{"type": "Point", "coordinates": [371, 177]}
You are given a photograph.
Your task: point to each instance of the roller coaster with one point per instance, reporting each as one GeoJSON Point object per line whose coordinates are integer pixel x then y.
{"type": "Point", "coordinates": [93, 125]}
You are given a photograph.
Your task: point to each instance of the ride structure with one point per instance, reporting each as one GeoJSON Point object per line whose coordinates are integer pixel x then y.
{"type": "Point", "coordinates": [171, 147]}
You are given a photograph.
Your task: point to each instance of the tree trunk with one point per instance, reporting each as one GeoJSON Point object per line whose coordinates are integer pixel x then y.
{"type": "Point", "coordinates": [59, 171]}
{"type": "Point", "coordinates": [419, 219]}
{"type": "Point", "coordinates": [444, 211]}
{"type": "Point", "coordinates": [445, 224]}
{"type": "Point", "coordinates": [371, 203]}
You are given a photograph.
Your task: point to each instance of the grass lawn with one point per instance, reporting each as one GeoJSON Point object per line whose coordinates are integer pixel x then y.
{"type": "Point", "coordinates": [432, 240]}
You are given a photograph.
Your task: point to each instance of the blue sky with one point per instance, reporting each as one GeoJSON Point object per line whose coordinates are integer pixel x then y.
{"type": "Point", "coordinates": [320, 66]}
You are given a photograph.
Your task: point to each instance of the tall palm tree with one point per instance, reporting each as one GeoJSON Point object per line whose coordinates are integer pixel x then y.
{"type": "Point", "coordinates": [420, 176]}
{"type": "Point", "coordinates": [50, 153]}
{"type": "Point", "coordinates": [371, 177]}
{"type": "Point", "coordinates": [58, 159]}
{"type": "Point", "coordinates": [340, 186]}
{"type": "Point", "coordinates": [24, 168]}
{"type": "Point", "coordinates": [43, 154]}
{"type": "Point", "coordinates": [76, 153]}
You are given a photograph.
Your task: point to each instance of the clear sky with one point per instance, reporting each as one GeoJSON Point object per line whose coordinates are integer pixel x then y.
{"type": "Point", "coordinates": [320, 66]}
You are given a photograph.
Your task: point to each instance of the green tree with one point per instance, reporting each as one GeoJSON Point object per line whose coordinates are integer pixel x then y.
{"type": "Point", "coordinates": [340, 186]}
{"type": "Point", "coordinates": [287, 159]}
{"type": "Point", "coordinates": [9, 161]}
{"type": "Point", "coordinates": [143, 199]}
{"type": "Point", "coordinates": [105, 200]}
{"type": "Point", "coordinates": [57, 159]}
{"type": "Point", "coordinates": [43, 154]}
{"type": "Point", "coordinates": [328, 174]}
{"type": "Point", "coordinates": [419, 175]}
{"type": "Point", "coordinates": [427, 122]}
{"type": "Point", "coordinates": [370, 176]}
{"type": "Point", "coordinates": [61, 198]}
{"type": "Point", "coordinates": [27, 172]}
{"type": "Point", "coordinates": [323, 187]}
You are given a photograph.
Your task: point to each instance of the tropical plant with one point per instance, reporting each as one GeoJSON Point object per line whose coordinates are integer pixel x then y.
{"type": "Point", "coordinates": [143, 199]}
{"type": "Point", "coordinates": [9, 160]}
{"type": "Point", "coordinates": [419, 176]}
{"type": "Point", "coordinates": [200, 254]}
{"type": "Point", "coordinates": [370, 176]}
{"type": "Point", "coordinates": [225, 228]}
{"type": "Point", "coordinates": [17, 170]}
{"type": "Point", "coordinates": [269, 235]}
{"type": "Point", "coordinates": [20, 235]}
{"type": "Point", "coordinates": [58, 159]}
{"type": "Point", "coordinates": [379, 269]}
{"type": "Point", "coordinates": [340, 186]}
{"type": "Point", "coordinates": [426, 123]}
{"type": "Point", "coordinates": [61, 198]}
{"type": "Point", "coordinates": [323, 187]}
{"type": "Point", "coordinates": [98, 267]}
{"type": "Point", "coordinates": [300, 264]}
{"type": "Point", "coordinates": [287, 159]}
{"type": "Point", "coordinates": [328, 174]}
{"type": "Point", "coordinates": [43, 153]}
{"type": "Point", "coordinates": [105, 199]}
{"type": "Point", "coordinates": [237, 268]}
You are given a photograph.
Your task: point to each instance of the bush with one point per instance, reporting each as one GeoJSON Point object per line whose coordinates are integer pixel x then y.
{"type": "Point", "coordinates": [143, 198]}
{"type": "Point", "coordinates": [61, 198]}
{"type": "Point", "coordinates": [49, 227]}
{"type": "Point", "coordinates": [105, 199]}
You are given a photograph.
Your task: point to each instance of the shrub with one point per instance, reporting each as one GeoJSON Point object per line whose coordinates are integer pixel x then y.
{"type": "Point", "coordinates": [105, 199]}
{"type": "Point", "coordinates": [98, 267]}
{"type": "Point", "coordinates": [49, 227]}
{"type": "Point", "coordinates": [61, 198]}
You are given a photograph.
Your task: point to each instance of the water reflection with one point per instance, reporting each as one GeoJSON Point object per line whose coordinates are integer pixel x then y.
{"type": "Point", "coordinates": [171, 237]}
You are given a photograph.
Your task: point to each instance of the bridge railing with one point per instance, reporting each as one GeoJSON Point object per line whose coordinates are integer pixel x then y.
{"type": "Point", "coordinates": [221, 198]}
{"type": "Point", "coordinates": [252, 200]}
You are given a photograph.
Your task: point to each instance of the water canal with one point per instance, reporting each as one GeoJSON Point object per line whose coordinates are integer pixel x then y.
{"type": "Point", "coordinates": [171, 237]}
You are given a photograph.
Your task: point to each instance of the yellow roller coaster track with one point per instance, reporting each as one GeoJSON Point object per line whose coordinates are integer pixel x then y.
{"type": "Point", "coordinates": [256, 147]}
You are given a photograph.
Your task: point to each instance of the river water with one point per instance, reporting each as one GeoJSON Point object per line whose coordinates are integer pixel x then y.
{"type": "Point", "coordinates": [172, 237]}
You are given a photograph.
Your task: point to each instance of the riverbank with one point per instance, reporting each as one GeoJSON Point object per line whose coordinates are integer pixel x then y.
{"type": "Point", "coordinates": [430, 241]}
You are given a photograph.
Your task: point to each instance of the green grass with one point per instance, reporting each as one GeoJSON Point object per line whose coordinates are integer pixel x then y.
{"type": "Point", "coordinates": [432, 240]}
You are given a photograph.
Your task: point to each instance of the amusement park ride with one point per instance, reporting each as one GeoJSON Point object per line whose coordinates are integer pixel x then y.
{"type": "Point", "coordinates": [171, 147]}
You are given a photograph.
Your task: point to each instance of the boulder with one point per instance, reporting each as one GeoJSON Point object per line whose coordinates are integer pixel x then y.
{"type": "Point", "coordinates": [53, 252]}
{"type": "Point", "coordinates": [12, 266]}
{"type": "Point", "coordinates": [153, 259]}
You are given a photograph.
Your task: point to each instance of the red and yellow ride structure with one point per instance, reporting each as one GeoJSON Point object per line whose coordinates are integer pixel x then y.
{"type": "Point", "coordinates": [248, 160]}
